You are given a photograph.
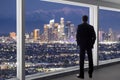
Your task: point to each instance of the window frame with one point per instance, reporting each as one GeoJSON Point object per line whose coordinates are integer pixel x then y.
{"type": "Point", "coordinates": [94, 10]}
{"type": "Point", "coordinates": [110, 60]}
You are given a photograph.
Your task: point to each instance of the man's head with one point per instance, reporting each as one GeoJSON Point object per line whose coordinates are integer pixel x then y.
{"type": "Point", "coordinates": [85, 18]}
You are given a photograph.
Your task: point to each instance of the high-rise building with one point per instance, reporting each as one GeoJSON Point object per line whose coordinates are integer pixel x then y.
{"type": "Point", "coordinates": [50, 33]}
{"type": "Point", "coordinates": [31, 35]}
{"type": "Point", "coordinates": [36, 34]}
{"type": "Point", "coordinates": [62, 21]}
{"type": "Point", "coordinates": [46, 32]}
{"type": "Point", "coordinates": [118, 37]}
{"type": "Point", "coordinates": [105, 36]}
{"type": "Point", "coordinates": [62, 25]}
{"type": "Point", "coordinates": [51, 23]}
{"type": "Point", "coordinates": [101, 35]}
{"type": "Point", "coordinates": [67, 29]}
{"type": "Point", "coordinates": [110, 35]}
{"type": "Point", "coordinates": [55, 31]}
{"type": "Point", "coordinates": [27, 36]}
{"type": "Point", "coordinates": [72, 33]}
{"type": "Point", "coordinates": [61, 29]}
{"type": "Point", "coordinates": [13, 35]}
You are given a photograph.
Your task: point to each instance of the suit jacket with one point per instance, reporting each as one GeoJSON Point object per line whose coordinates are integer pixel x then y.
{"type": "Point", "coordinates": [85, 35]}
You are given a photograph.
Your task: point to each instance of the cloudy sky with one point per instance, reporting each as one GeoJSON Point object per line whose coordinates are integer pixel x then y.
{"type": "Point", "coordinates": [38, 13]}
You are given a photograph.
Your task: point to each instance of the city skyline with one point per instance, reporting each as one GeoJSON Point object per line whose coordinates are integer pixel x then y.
{"type": "Point", "coordinates": [39, 14]}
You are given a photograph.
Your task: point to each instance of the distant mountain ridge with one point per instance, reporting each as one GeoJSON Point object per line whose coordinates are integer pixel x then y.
{"type": "Point", "coordinates": [41, 17]}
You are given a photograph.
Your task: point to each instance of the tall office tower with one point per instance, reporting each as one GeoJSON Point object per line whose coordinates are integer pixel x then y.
{"type": "Point", "coordinates": [61, 29]}
{"type": "Point", "coordinates": [61, 21]}
{"type": "Point", "coordinates": [50, 30]}
{"type": "Point", "coordinates": [50, 34]}
{"type": "Point", "coordinates": [118, 37]}
{"type": "Point", "coordinates": [115, 36]}
{"type": "Point", "coordinates": [55, 31]}
{"type": "Point", "coordinates": [46, 32]}
{"type": "Point", "coordinates": [72, 33]}
{"type": "Point", "coordinates": [59, 32]}
{"type": "Point", "coordinates": [101, 36]}
{"type": "Point", "coordinates": [67, 29]}
{"type": "Point", "coordinates": [36, 34]}
{"type": "Point", "coordinates": [63, 37]}
{"type": "Point", "coordinates": [31, 35]}
{"type": "Point", "coordinates": [62, 25]}
{"type": "Point", "coordinates": [110, 35]}
{"type": "Point", "coordinates": [51, 23]}
{"type": "Point", "coordinates": [72, 26]}
{"type": "Point", "coordinates": [13, 35]}
{"type": "Point", "coordinates": [27, 36]}
{"type": "Point", "coordinates": [105, 36]}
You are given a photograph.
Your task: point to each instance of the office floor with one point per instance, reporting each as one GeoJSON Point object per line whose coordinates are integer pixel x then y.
{"type": "Point", "coordinates": [105, 73]}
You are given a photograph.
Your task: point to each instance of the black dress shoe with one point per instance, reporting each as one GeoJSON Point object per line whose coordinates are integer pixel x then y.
{"type": "Point", "coordinates": [90, 75]}
{"type": "Point", "coordinates": [81, 77]}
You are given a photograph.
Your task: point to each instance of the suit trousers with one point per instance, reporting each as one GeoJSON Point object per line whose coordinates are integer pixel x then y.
{"type": "Point", "coordinates": [87, 51]}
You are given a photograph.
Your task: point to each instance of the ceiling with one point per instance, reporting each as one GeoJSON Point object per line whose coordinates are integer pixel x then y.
{"type": "Point", "coordinates": [112, 1]}
{"type": "Point", "coordinates": [105, 3]}
{"type": "Point", "coordinates": [109, 1]}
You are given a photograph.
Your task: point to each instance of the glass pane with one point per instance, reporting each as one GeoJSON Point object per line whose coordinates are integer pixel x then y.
{"type": "Point", "coordinates": [7, 39]}
{"type": "Point", "coordinates": [109, 35]}
{"type": "Point", "coordinates": [51, 36]}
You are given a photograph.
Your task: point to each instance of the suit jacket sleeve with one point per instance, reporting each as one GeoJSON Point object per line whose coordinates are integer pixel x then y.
{"type": "Point", "coordinates": [93, 36]}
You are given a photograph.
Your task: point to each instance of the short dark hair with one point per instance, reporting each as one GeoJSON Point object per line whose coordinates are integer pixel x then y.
{"type": "Point", "coordinates": [85, 18]}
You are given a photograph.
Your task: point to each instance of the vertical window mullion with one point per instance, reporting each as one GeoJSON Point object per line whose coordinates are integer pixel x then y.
{"type": "Point", "coordinates": [20, 40]}
{"type": "Point", "coordinates": [94, 21]}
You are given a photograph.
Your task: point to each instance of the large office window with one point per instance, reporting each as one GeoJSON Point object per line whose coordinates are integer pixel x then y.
{"type": "Point", "coordinates": [50, 36]}
{"type": "Point", "coordinates": [50, 42]}
{"type": "Point", "coordinates": [109, 35]}
{"type": "Point", "coordinates": [7, 39]}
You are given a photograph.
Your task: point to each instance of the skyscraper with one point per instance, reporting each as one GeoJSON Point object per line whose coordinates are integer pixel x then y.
{"type": "Point", "coordinates": [50, 33]}
{"type": "Point", "coordinates": [62, 25]}
{"type": "Point", "coordinates": [110, 35]}
{"type": "Point", "coordinates": [51, 23]}
{"type": "Point", "coordinates": [36, 34]}
{"type": "Point", "coordinates": [45, 32]}
{"type": "Point", "coordinates": [67, 28]}
{"type": "Point", "coordinates": [55, 31]}
{"type": "Point", "coordinates": [72, 33]}
{"type": "Point", "coordinates": [101, 35]}
{"type": "Point", "coordinates": [61, 29]}
{"type": "Point", "coordinates": [13, 35]}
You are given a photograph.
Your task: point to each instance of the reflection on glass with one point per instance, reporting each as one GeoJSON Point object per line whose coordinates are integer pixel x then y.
{"type": "Point", "coordinates": [51, 36]}
{"type": "Point", "coordinates": [109, 35]}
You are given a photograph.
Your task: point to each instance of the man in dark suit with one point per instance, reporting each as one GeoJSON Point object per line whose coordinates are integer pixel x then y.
{"type": "Point", "coordinates": [85, 40]}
